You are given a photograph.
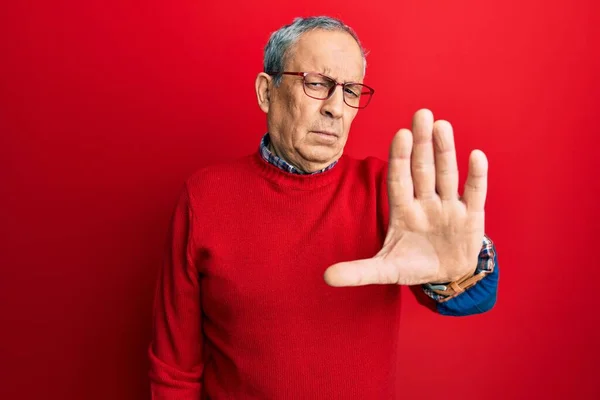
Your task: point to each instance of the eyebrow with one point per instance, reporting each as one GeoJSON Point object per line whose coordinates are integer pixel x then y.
{"type": "Point", "coordinates": [327, 71]}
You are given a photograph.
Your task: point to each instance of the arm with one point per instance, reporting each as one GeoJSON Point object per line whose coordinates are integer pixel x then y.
{"type": "Point", "coordinates": [434, 234]}
{"type": "Point", "coordinates": [478, 298]}
{"type": "Point", "coordinates": [176, 349]}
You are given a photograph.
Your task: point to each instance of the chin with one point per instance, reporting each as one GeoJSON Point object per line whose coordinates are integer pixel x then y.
{"type": "Point", "coordinates": [322, 155]}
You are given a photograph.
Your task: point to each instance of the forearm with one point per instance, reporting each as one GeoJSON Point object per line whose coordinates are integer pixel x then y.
{"type": "Point", "coordinates": [170, 383]}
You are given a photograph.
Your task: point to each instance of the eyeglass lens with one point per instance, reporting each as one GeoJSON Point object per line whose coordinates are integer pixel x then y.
{"type": "Point", "coordinates": [320, 87]}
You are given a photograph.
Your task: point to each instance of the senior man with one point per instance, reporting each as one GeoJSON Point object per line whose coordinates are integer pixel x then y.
{"type": "Point", "coordinates": [284, 268]}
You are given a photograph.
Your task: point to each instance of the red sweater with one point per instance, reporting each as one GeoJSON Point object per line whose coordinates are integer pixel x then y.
{"type": "Point", "coordinates": [242, 310]}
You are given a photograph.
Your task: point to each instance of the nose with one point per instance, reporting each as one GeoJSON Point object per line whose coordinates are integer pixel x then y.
{"type": "Point", "coordinates": [333, 107]}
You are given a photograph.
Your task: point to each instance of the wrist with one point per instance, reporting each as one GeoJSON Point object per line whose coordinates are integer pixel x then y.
{"type": "Point", "coordinates": [452, 289]}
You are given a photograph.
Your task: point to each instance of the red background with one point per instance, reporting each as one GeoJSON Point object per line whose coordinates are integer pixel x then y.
{"type": "Point", "coordinates": [106, 107]}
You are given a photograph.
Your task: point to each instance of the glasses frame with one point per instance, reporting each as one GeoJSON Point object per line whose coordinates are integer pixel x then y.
{"type": "Point", "coordinates": [332, 89]}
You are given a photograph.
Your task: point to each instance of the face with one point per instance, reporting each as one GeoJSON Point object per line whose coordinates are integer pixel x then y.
{"type": "Point", "coordinates": [309, 133]}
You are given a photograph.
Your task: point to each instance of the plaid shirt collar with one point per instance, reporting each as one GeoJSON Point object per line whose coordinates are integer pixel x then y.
{"type": "Point", "coordinates": [280, 162]}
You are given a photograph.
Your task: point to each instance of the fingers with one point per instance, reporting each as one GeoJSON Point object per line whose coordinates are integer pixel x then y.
{"type": "Point", "coordinates": [359, 273]}
{"type": "Point", "coordinates": [446, 168]}
{"type": "Point", "coordinates": [476, 184]}
{"type": "Point", "coordinates": [400, 183]}
{"type": "Point", "coordinates": [433, 165]}
{"type": "Point", "coordinates": [423, 166]}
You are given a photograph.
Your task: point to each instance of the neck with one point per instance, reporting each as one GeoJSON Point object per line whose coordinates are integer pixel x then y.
{"type": "Point", "coordinates": [273, 150]}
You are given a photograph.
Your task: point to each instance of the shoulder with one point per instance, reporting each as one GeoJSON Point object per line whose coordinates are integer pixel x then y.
{"type": "Point", "coordinates": [371, 168]}
{"type": "Point", "coordinates": [221, 175]}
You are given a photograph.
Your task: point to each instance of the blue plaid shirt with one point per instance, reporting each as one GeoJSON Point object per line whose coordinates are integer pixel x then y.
{"type": "Point", "coordinates": [482, 296]}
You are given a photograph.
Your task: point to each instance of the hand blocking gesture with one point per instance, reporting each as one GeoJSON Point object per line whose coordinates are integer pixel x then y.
{"type": "Point", "coordinates": [434, 235]}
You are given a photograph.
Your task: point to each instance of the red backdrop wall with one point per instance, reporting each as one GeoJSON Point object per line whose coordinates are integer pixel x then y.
{"type": "Point", "coordinates": [107, 106]}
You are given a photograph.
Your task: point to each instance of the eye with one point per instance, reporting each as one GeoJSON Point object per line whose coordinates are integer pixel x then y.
{"type": "Point", "coordinates": [352, 91]}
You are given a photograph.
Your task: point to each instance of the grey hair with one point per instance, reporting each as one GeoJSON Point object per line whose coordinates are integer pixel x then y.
{"type": "Point", "coordinates": [282, 40]}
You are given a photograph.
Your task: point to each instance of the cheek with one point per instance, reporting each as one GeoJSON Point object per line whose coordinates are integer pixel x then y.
{"type": "Point", "coordinates": [305, 110]}
{"type": "Point", "coordinates": [348, 121]}
{"type": "Point", "coordinates": [303, 117]}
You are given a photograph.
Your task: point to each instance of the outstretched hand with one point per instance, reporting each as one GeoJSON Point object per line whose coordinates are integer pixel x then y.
{"type": "Point", "coordinates": [433, 235]}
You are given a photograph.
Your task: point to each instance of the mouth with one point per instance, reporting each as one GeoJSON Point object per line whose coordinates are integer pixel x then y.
{"type": "Point", "coordinates": [326, 133]}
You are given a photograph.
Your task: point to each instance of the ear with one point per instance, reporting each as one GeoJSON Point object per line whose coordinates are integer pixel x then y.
{"type": "Point", "coordinates": [263, 92]}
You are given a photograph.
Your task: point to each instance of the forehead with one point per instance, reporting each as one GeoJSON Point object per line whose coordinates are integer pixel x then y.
{"type": "Point", "coordinates": [333, 53]}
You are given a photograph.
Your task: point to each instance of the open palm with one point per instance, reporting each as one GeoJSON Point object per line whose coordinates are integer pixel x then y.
{"type": "Point", "coordinates": [434, 235]}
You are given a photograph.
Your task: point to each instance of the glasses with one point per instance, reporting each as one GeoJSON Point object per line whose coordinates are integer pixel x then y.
{"type": "Point", "coordinates": [321, 87]}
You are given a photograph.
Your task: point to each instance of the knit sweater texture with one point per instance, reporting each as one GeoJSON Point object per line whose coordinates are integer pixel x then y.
{"type": "Point", "coordinates": [242, 310]}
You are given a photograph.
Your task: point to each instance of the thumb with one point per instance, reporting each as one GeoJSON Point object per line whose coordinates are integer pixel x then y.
{"type": "Point", "coordinates": [358, 273]}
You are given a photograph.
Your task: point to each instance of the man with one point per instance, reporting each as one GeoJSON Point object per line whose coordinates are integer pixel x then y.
{"type": "Point", "coordinates": [284, 267]}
